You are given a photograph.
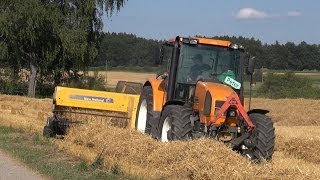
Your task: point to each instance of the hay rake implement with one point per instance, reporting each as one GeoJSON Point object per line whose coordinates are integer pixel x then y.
{"type": "Point", "coordinates": [79, 106]}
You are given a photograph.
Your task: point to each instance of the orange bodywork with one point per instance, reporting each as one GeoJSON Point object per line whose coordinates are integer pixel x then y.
{"type": "Point", "coordinates": [219, 92]}
{"type": "Point", "coordinates": [208, 41]}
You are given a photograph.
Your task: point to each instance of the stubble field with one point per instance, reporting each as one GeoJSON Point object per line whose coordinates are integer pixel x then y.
{"type": "Point", "coordinates": [296, 152]}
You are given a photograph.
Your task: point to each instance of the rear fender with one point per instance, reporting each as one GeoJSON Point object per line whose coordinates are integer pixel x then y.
{"type": "Point", "coordinates": [259, 111]}
{"type": "Point", "coordinates": [173, 103]}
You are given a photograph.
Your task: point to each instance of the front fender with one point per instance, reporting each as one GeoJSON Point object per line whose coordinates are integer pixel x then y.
{"type": "Point", "coordinates": [259, 111]}
{"type": "Point", "coordinates": [158, 92]}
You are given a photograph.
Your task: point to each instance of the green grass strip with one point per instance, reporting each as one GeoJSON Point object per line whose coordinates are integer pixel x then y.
{"type": "Point", "coordinates": [42, 155]}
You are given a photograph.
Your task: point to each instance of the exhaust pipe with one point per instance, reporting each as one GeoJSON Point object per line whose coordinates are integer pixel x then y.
{"type": "Point", "coordinates": [173, 70]}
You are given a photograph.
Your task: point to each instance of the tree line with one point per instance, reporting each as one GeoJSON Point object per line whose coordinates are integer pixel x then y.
{"type": "Point", "coordinates": [123, 50]}
{"type": "Point", "coordinates": [288, 56]}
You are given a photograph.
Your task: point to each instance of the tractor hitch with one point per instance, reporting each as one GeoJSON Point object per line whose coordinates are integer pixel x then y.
{"type": "Point", "coordinates": [233, 101]}
{"type": "Point", "coordinates": [239, 140]}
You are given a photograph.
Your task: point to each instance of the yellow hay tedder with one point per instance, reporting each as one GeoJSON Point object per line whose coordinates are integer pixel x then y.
{"type": "Point", "coordinates": [201, 95]}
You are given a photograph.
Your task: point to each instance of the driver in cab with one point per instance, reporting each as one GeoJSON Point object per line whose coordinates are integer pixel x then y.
{"type": "Point", "coordinates": [198, 68]}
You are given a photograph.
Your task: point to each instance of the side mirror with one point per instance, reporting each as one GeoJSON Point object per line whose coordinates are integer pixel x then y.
{"type": "Point", "coordinates": [159, 55]}
{"type": "Point", "coordinates": [250, 68]}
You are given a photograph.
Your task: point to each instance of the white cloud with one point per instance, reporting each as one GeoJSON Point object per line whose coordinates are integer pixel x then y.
{"type": "Point", "coordinates": [250, 13]}
{"type": "Point", "coordinates": [294, 13]}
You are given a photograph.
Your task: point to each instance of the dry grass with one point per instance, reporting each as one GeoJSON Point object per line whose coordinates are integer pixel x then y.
{"type": "Point", "coordinates": [291, 112]}
{"type": "Point", "coordinates": [23, 112]}
{"type": "Point", "coordinates": [137, 154]}
{"type": "Point", "coordinates": [296, 155]}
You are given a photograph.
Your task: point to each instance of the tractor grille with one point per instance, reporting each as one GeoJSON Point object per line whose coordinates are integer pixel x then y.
{"type": "Point", "coordinates": [219, 104]}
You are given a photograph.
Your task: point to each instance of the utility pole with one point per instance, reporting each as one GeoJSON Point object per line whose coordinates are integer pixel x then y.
{"type": "Point", "coordinates": [106, 72]}
{"type": "Point", "coordinates": [262, 74]}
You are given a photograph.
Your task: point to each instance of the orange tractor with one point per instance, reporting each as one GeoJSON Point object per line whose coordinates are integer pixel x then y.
{"type": "Point", "coordinates": [202, 95]}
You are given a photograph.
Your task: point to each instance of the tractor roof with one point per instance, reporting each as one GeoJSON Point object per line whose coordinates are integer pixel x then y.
{"type": "Point", "coordinates": [208, 41]}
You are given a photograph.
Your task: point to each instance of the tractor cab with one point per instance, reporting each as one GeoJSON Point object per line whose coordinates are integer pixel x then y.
{"type": "Point", "coordinates": [206, 60]}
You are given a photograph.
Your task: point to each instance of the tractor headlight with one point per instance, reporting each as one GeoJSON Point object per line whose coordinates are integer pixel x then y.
{"type": "Point", "coordinates": [232, 113]}
{"type": "Point", "coordinates": [234, 46]}
{"type": "Point", "coordinates": [193, 41]}
{"type": "Point", "coordinates": [189, 41]}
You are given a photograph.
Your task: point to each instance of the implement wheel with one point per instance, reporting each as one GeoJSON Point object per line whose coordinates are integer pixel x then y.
{"type": "Point", "coordinates": [262, 138]}
{"type": "Point", "coordinates": [175, 123]}
{"type": "Point", "coordinates": [145, 111]}
{"type": "Point", "coordinates": [48, 130]}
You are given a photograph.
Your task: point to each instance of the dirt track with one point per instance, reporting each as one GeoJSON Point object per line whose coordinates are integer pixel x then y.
{"type": "Point", "coordinates": [12, 169]}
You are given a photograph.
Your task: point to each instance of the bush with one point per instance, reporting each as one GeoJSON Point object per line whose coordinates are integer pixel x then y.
{"type": "Point", "coordinates": [126, 68]}
{"type": "Point", "coordinates": [13, 87]}
{"type": "Point", "coordinates": [85, 82]}
{"type": "Point", "coordinates": [256, 77]}
{"type": "Point", "coordinates": [44, 90]}
{"type": "Point", "coordinates": [288, 85]}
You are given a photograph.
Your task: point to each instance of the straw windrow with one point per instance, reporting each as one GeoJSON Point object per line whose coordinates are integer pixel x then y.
{"type": "Point", "coordinates": [128, 151]}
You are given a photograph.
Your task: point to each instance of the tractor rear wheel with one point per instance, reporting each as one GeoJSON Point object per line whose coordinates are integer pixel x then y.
{"type": "Point", "coordinates": [175, 123]}
{"type": "Point", "coordinates": [145, 111]}
{"type": "Point", "coordinates": [262, 138]}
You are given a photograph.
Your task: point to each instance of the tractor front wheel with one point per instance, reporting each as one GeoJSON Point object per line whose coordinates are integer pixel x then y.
{"type": "Point", "coordinates": [262, 138]}
{"type": "Point", "coordinates": [175, 123]}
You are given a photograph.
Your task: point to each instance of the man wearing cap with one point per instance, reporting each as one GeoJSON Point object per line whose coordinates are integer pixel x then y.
{"type": "Point", "coordinates": [198, 67]}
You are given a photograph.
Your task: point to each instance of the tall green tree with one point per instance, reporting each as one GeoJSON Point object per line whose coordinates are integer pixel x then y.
{"type": "Point", "coordinates": [51, 36]}
{"type": "Point", "coordinates": [138, 51]}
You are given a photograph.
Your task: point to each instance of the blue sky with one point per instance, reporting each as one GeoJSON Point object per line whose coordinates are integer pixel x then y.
{"type": "Point", "coordinates": [267, 20]}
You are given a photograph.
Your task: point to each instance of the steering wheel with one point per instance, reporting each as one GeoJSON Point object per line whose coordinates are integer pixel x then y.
{"type": "Point", "coordinates": [203, 75]}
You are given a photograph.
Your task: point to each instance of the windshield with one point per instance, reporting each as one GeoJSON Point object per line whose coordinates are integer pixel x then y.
{"type": "Point", "coordinates": [208, 63]}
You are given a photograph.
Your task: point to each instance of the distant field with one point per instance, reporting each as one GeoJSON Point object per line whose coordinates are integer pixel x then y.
{"type": "Point", "coordinates": [296, 153]}
{"type": "Point", "coordinates": [114, 76]}
{"type": "Point", "coordinates": [314, 76]}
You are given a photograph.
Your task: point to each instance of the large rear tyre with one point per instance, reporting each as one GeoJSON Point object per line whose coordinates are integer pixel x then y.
{"type": "Point", "coordinates": [262, 138]}
{"type": "Point", "coordinates": [145, 113]}
{"type": "Point", "coordinates": [175, 123]}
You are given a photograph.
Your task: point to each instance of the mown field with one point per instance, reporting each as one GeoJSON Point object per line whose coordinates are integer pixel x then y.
{"type": "Point", "coordinates": [296, 154]}
{"type": "Point", "coordinates": [114, 76]}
